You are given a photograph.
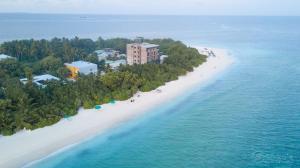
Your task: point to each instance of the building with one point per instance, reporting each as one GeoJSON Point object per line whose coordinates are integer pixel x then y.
{"type": "Point", "coordinates": [101, 55]}
{"type": "Point", "coordinates": [142, 53]}
{"type": "Point", "coordinates": [3, 57]}
{"type": "Point", "coordinates": [81, 67]}
{"type": "Point", "coordinates": [162, 58]}
{"type": "Point", "coordinates": [115, 64]}
{"type": "Point", "coordinates": [107, 52]}
{"type": "Point", "coordinates": [40, 80]}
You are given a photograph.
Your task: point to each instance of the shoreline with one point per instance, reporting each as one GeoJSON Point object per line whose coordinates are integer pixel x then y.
{"type": "Point", "coordinates": [28, 147]}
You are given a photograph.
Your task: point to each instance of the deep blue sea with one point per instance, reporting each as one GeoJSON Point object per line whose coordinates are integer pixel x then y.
{"type": "Point", "coordinates": [247, 117]}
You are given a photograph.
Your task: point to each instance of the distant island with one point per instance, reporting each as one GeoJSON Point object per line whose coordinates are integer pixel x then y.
{"type": "Point", "coordinates": [43, 81]}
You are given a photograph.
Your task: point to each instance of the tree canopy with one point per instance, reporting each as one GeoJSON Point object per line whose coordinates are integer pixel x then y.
{"type": "Point", "coordinates": [28, 106]}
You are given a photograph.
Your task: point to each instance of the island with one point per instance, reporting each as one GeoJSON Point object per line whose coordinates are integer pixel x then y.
{"type": "Point", "coordinates": [55, 93]}
{"type": "Point", "coordinates": [24, 105]}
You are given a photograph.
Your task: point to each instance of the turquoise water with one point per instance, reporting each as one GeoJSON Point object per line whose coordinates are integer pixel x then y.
{"type": "Point", "coordinates": [248, 116]}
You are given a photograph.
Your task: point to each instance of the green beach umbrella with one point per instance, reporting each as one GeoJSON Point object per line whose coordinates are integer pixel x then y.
{"type": "Point", "coordinates": [98, 107]}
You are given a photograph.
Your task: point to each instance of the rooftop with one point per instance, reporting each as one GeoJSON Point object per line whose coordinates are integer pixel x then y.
{"type": "Point", "coordinates": [107, 52]}
{"type": "Point", "coordinates": [3, 56]}
{"type": "Point", "coordinates": [115, 64]}
{"type": "Point", "coordinates": [99, 51]}
{"type": "Point", "coordinates": [45, 77]}
{"type": "Point", "coordinates": [148, 45]}
{"type": "Point", "coordinates": [80, 64]}
{"type": "Point", "coordinates": [40, 79]}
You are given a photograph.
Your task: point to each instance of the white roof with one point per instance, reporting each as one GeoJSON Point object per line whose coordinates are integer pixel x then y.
{"type": "Point", "coordinates": [81, 64]}
{"type": "Point", "coordinates": [45, 77]}
{"type": "Point", "coordinates": [115, 64]}
{"type": "Point", "coordinates": [103, 55]}
{"type": "Point", "coordinates": [41, 78]}
{"type": "Point", "coordinates": [108, 51]}
{"type": "Point", "coordinates": [145, 45]}
{"type": "Point", "coordinates": [3, 56]}
{"type": "Point", "coordinates": [99, 51]}
{"type": "Point", "coordinates": [148, 45]}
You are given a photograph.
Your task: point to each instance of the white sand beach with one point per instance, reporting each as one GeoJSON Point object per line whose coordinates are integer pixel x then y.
{"type": "Point", "coordinates": [26, 146]}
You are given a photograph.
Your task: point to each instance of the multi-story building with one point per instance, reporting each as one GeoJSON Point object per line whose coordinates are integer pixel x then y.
{"type": "Point", "coordinates": [142, 53]}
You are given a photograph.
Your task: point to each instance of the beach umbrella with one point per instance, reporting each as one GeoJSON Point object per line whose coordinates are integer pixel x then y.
{"type": "Point", "coordinates": [67, 117]}
{"type": "Point", "coordinates": [112, 101]}
{"type": "Point", "coordinates": [98, 107]}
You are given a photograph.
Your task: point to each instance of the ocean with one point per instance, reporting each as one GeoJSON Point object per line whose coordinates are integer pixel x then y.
{"type": "Point", "coordinates": [249, 116]}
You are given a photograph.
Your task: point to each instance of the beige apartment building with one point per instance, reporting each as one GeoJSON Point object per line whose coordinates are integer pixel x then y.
{"type": "Point", "coordinates": [142, 53]}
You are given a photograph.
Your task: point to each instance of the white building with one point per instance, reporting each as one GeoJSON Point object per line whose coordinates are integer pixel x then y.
{"type": "Point", "coordinates": [3, 57]}
{"type": "Point", "coordinates": [115, 64]}
{"type": "Point", "coordinates": [107, 52]}
{"type": "Point", "coordinates": [102, 55]}
{"type": "Point", "coordinates": [81, 67]}
{"type": "Point", "coordinates": [40, 80]}
{"type": "Point", "coordinates": [162, 58]}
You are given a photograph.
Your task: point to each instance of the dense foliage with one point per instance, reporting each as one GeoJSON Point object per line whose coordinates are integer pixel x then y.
{"type": "Point", "coordinates": [29, 106]}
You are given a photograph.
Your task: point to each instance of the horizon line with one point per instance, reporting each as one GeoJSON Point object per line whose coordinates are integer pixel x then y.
{"type": "Point", "coordinates": [127, 14]}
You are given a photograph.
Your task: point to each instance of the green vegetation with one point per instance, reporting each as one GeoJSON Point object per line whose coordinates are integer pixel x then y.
{"type": "Point", "coordinates": [30, 107]}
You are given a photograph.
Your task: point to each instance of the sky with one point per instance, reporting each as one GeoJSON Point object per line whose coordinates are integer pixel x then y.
{"type": "Point", "coordinates": [155, 7]}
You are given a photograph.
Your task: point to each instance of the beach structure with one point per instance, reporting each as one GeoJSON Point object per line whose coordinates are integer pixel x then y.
{"type": "Point", "coordinates": [4, 57]}
{"type": "Point", "coordinates": [207, 52]}
{"type": "Point", "coordinates": [40, 80]}
{"type": "Point", "coordinates": [162, 58]}
{"type": "Point", "coordinates": [115, 64]}
{"type": "Point", "coordinates": [81, 67]}
{"type": "Point", "coordinates": [142, 53]}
